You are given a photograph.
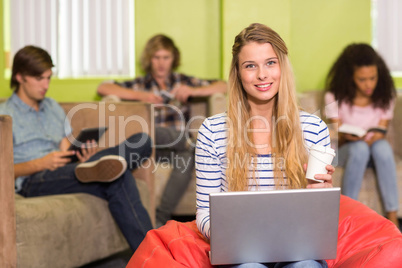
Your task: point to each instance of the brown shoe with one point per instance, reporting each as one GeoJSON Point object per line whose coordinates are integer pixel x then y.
{"type": "Point", "coordinates": [106, 169]}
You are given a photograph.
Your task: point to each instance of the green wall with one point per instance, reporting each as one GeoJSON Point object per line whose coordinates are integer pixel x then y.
{"type": "Point", "coordinates": [238, 14]}
{"type": "Point", "coordinates": [320, 31]}
{"type": "Point", "coordinates": [192, 24]}
{"type": "Point", "coordinates": [314, 30]}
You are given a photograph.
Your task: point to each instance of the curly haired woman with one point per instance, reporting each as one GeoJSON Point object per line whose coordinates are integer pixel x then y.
{"type": "Point", "coordinates": [361, 84]}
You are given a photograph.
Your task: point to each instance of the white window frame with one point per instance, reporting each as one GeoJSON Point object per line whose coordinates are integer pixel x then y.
{"type": "Point", "coordinates": [86, 38]}
{"type": "Point", "coordinates": [387, 32]}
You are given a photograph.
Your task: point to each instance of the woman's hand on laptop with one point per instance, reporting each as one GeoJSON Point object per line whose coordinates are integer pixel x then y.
{"type": "Point", "coordinates": [325, 178]}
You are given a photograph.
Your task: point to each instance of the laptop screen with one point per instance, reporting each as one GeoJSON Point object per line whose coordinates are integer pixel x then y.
{"type": "Point", "coordinates": [274, 226]}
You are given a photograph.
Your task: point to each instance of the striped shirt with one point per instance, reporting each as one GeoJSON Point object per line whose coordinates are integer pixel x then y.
{"type": "Point", "coordinates": [211, 162]}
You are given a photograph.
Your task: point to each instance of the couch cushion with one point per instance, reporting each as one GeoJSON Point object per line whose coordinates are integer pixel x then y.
{"type": "Point", "coordinates": [62, 224]}
{"type": "Point", "coordinates": [187, 204]}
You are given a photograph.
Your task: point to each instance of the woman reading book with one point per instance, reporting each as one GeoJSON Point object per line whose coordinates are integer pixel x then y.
{"type": "Point", "coordinates": [361, 93]}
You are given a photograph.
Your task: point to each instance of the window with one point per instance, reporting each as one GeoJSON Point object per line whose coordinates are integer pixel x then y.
{"type": "Point", "coordinates": [387, 32]}
{"type": "Point", "coordinates": [86, 38]}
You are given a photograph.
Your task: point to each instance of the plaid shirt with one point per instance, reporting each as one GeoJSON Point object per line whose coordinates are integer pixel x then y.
{"type": "Point", "coordinates": [175, 114]}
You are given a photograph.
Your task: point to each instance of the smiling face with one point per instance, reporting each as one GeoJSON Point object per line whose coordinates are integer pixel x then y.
{"type": "Point", "coordinates": [260, 72]}
{"type": "Point", "coordinates": [365, 78]}
{"type": "Point", "coordinates": [32, 89]}
{"type": "Point", "coordinates": [161, 63]}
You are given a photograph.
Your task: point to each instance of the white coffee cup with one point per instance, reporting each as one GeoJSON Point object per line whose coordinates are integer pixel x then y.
{"type": "Point", "coordinates": [319, 158]}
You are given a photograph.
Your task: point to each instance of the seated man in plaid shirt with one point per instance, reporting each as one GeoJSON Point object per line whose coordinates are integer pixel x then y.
{"type": "Point", "coordinates": [161, 85]}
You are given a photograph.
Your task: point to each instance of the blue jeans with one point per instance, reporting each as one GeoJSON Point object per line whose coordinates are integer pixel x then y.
{"type": "Point", "coordinates": [298, 264]}
{"type": "Point", "coordinates": [122, 194]}
{"type": "Point", "coordinates": [356, 156]}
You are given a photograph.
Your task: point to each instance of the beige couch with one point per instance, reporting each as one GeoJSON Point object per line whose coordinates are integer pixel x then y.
{"type": "Point", "coordinates": [78, 228]}
{"type": "Point", "coordinates": [73, 229]}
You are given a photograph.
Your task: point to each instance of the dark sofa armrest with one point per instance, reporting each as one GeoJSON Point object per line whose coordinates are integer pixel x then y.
{"type": "Point", "coordinates": [8, 248]}
{"type": "Point", "coordinates": [395, 128]}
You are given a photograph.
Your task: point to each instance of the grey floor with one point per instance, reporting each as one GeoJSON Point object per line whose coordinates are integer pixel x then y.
{"type": "Point", "coordinates": [119, 260]}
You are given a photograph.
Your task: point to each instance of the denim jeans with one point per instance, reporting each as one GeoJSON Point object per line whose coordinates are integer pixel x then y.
{"type": "Point", "coordinates": [181, 155]}
{"type": "Point", "coordinates": [298, 264]}
{"type": "Point", "coordinates": [356, 156]}
{"type": "Point", "coordinates": [122, 194]}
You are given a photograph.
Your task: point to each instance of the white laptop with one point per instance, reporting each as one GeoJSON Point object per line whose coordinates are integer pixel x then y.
{"type": "Point", "coordinates": [274, 226]}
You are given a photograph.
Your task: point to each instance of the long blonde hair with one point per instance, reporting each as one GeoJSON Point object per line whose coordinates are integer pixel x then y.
{"type": "Point", "coordinates": [288, 151]}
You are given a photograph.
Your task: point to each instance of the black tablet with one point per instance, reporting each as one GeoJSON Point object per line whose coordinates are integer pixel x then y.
{"type": "Point", "coordinates": [85, 135]}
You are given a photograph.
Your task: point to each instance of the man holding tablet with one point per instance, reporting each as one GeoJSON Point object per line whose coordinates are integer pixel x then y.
{"type": "Point", "coordinates": [42, 163]}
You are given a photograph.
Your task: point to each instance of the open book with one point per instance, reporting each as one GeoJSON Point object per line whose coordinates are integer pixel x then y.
{"type": "Point", "coordinates": [358, 131]}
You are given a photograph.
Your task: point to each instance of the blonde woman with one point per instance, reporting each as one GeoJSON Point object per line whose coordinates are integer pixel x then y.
{"type": "Point", "coordinates": [262, 141]}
